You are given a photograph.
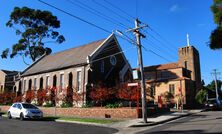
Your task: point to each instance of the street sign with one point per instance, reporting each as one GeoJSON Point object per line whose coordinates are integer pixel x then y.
{"type": "Point", "coordinates": [132, 84]}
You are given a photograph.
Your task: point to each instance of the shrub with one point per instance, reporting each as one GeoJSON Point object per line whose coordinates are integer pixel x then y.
{"type": "Point", "coordinates": [115, 105]}
{"type": "Point", "coordinates": [87, 105]}
{"type": "Point", "coordinates": [66, 105]}
{"type": "Point", "coordinates": [48, 104]}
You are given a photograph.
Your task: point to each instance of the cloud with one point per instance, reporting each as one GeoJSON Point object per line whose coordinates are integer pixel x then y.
{"type": "Point", "coordinates": [174, 8]}
{"type": "Point", "coordinates": [201, 25]}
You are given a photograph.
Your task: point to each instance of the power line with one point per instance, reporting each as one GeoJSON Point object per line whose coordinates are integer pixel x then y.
{"type": "Point", "coordinates": [153, 45]}
{"type": "Point", "coordinates": [151, 28]}
{"type": "Point", "coordinates": [158, 55]}
{"type": "Point", "coordinates": [76, 17]}
{"type": "Point", "coordinates": [163, 43]}
{"type": "Point", "coordinates": [92, 24]}
{"type": "Point", "coordinates": [159, 41]}
{"type": "Point", "coordinates": [96, 12]}
{"type": "Point", "coordinates": [160, 36]}
{"type": "Point", "coordinates": [119, 9]}
{"type": "Point", "coordinates": [148, 50]}
{"type": "Point", "coordinates": [107, 8]}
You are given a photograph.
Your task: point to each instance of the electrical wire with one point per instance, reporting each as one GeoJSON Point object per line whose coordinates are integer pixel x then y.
{"type": "Point", "coordinates": [105, 30]}
{"type": "Point", "coordinates": [160, 36]}
{"type": "Point", "coordinates": [76, 17]}
{"type": "Point", "coordinates": [132, 17]}
{"type": "Point", "coordinates": [110, 10]}
{"type": "Point", "coordinates": [96, 12]}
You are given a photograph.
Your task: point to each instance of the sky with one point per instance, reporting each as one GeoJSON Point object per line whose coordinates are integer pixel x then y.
{"type": "Point", "coordinates": [169, 21]}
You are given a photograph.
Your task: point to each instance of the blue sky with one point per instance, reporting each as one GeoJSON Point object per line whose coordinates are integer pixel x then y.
{"type": "Point", "coordinates": [172, 19]}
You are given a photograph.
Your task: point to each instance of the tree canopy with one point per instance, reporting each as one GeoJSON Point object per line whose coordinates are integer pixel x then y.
{"type": "Point", "coordinates": [216, 35]}
{"type": "Point", "coordinates": [211, 86]}
{"type": "Point", "coordinates": [35, 28]}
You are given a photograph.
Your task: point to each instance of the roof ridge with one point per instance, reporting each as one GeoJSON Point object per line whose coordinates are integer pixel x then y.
{"type": "Point", "coordinates": [79, 46]}
{"type": "Point", "coordinates": [162, 64]}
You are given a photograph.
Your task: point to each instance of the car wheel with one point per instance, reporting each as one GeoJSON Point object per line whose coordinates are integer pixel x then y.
{"type": "Point", "coordinates": [9, 115]}
{"type": "Point", "coordinates": [21, 117]}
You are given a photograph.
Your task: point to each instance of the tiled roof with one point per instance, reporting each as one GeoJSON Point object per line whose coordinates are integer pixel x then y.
{"type": "Point", "coordinates": [162, 67]}
{"type": "Point", "coordinates": [64, 59]}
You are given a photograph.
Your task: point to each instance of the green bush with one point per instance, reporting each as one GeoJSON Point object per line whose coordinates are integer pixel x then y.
{"type": "Point", "coordinates": [115, 105]}
{"type": "Point", "coordinates": [66, 105]}
{"type": "Point", "coordinates": [87, 105]}
{"type": "Point", "coordinates": [48, 104]}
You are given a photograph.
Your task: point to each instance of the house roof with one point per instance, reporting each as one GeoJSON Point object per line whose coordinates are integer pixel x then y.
{"type": "Point", "coordinates": [71, 57]}
{"type": "Point", "coordinates": [162, 67]}
{"type": "Point", "coordinates": [9, 72]}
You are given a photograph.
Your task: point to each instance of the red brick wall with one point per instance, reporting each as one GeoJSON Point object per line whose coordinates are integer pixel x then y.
{"type": "Point", "coordinates": [117, 113]}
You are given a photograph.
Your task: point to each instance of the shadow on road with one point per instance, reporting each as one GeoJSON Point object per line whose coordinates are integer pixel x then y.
{"type": "Point", "coordinates": [43, 119]}
{"type": "Point", "coordinates": [180, 132]}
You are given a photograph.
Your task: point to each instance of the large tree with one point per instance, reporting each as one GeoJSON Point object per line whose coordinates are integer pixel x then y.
{"type": "Point", "coordinates": [216, 35]}
{"type": "Point", "coordinates": [35, 28]}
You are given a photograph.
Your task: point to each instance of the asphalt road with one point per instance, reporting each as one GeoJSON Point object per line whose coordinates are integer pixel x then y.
{"type": "Point", "coordinates": [15, 126]}
{"type": "Point", "coordinates": [201, 123]}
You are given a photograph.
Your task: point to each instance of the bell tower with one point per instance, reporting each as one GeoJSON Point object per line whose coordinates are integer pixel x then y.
{"type": "Point", "coordinates": [189, 59]}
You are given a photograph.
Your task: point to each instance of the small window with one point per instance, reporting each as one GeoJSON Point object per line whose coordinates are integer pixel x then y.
{"type": "Point", "coordinates": [78, 81]}
{"type": "Point", "coordinates": [47, 81]}
{"type": "Point", "coordinates": [35, 83]}
{"type": "Point", "coordinates": [41, 83]}
{"type": "Point", "coordinates": [185, 64]}
{"type": "Point", "coordinates": [61, 82]}
{"type": "Point", "coordinates": [172, 88]}
{"type": "Point", "coordinates": [113, 60]}
{"type": "Point", "coordinates": [25, 85]}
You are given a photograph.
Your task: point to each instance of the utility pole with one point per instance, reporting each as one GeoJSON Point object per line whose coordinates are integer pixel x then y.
{"type": "Point", "coordinates": [138, 35]}
{"type": "Point", "coordinates": [215, 73]}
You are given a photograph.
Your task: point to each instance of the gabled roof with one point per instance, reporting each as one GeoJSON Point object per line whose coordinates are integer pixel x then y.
{"type": "Point", "coordinates": [7, 72]}
{"type": "Point", "coordinates": [162, 67]}
{"type": "Point", "coordinates": [65, 59]}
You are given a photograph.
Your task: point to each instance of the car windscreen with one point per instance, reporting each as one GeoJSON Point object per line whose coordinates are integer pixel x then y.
{"type": "Point", "coordinates": [29, 106]}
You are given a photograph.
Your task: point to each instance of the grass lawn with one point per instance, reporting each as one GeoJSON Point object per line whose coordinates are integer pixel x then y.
{"type": "Point", "coordinates": [89, 120]}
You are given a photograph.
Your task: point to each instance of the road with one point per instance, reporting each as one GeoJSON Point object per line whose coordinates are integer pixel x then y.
{"type": "Point", "coordinates": [15, 126]}
{"type": "Point", "coordinates": [204, 122]}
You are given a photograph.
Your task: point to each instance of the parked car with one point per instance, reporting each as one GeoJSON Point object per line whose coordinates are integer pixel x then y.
{"type": "Point", "coordinates": [213, 104]}
{"type": "Point", "coordinates": [24, 111]}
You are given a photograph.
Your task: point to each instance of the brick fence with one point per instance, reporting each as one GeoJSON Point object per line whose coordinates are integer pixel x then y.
{"type": "Point", "coordinates": [116, 113]}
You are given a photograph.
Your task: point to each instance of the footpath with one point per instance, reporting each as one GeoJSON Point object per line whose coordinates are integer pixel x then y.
{"type": "Point", "coordinates": [139, 123]}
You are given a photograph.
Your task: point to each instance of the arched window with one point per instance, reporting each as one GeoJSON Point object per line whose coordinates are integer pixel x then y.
{"type": "Point", "coordinates": [41, 83]}
{"type": "Point", "coordinates": [20, 88]}
{"type": "Point", "coordinates": [30, 84]}
{"type": "Point", "coordinates": [185, 64]}
{"type": "Point", "coordinates": [54, 81]}
{"type": "Point", "coordinates": [70, 84]}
